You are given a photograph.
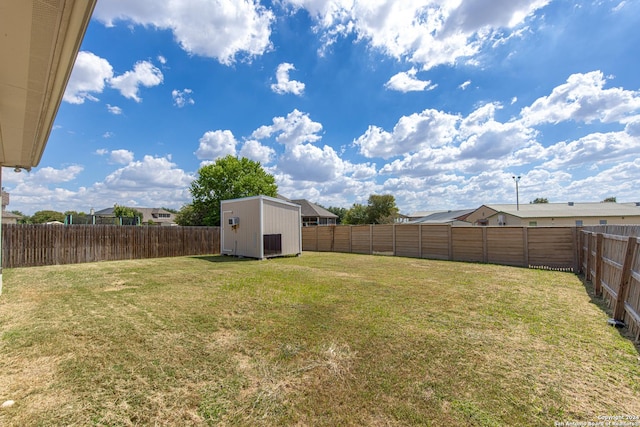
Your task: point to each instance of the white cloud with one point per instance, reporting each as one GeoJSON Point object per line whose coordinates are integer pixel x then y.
{"type": "Point", "coordinates": [220, 29]}
{"type": "Point", "coordinates": [600, 148]}
{"type": "Point", "coordinates": [310, 163]}
{"type": "Point", "coordinates": [255, 151]}
{"type": "Point", "coordinates": [121, 156]}
{"type": "Point", "coordinates": [89, 76]}
{"type": "Point", "coordinates": [425, 33]}
{"type": "Point", "coordinates": [52, 175]}
{"type": "Point", "coordinates": [406, 81]}
{"type": "Point", "coordinates": [583, 99]}
{"type": "Point", "coordinates": [296, 128]}
{"type": "Point", "coordinates": [114, 109]}
{"type": "Point", "coordinates": [430, 128]}
{"type": "Point", "coordinates": [144, 73]}
{"type": "Point", "coordinates": [182, 97]}
{"type": "Point", "coordinates": [465, 85]}
{"type": "Point", "coordinates": [284, 85]}
{"type": "Point", "coordinates": [215, 144]}
{"type": "Point", "coordinates": [151, 173]}
{"type": "Point", "coordinates": [162, 59]}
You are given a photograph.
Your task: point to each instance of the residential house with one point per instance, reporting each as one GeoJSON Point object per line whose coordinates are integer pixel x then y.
{"type": "Point", "coordinates": [150, 216]}
{"type": "Point", "coordinates": [313, 214]}
{"type": "Point", "coordinates": [556, 214]}
{"type": "Point", "coordinates": [457, 218]}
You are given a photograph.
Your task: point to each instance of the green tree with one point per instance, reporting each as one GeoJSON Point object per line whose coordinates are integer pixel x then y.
{"type": "Point", "coordinates": [382, 209]}
{"type": "Point", "coordinates": [24, 219]}
{"type": "Point", "coordinates": [358, 214]}
{"type": "Point", "coordinates": [341, 212]}
{"type": "Point", "coordinates": [126, 212]}
{"type": "Point", "coordinates": [41, 217]}
{"type": "Point", "coordinates": [610, 200]}
{"type": "Point", "coordinates": [173, 211]}
{"type": "Point", "coordinates": [228, 178]}
{"type": "Point", "coordinates": [187, 215]}
{"type": "Point", "coordinates": [540, 200]}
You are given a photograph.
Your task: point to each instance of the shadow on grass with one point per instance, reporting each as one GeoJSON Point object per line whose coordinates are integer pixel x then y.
{"type": "Point", "coordinates": [222, 258]}
{"type": "Point", "coordinates": [601, 303]}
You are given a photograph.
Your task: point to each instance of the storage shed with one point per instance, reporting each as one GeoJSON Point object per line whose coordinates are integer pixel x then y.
{"type": "Point", "coordinates": [260, 227]}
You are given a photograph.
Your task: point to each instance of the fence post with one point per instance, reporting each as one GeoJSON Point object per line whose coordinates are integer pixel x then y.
{"type": "Point", "coordinates": [587, 274]}
{"type": "Point", "coordinates": [485, 254]}
{"type": "Point", "coordinates": [525, 241]}
{"type": "Point", "coordinates": [450, 236]}
{"type": "Point", "coordinates": [597, 280]}
{"type": "Point", "coordinates": [370, 239]}
{"type": "Point", "coordinates": [576, 262]}
{"type": "Point", "coordinates": [580, 248]}
{"type": "Point", "coordinates": [393, 238]}
{"type": "Point", "coordinates": [618, 312]}
{"type": "Point", "coordinates": [419, 240]}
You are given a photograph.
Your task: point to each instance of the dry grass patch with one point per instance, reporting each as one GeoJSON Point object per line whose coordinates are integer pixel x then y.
{"type": "Point", "coordinates": [324, 339]}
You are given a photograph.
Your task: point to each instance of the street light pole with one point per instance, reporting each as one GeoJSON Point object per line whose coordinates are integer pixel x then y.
{"type": "Point", "coordinates": [517, 180]}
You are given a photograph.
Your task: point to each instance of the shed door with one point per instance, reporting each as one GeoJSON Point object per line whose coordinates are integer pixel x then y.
{"type": "Point", "coordinates": [272, 244]}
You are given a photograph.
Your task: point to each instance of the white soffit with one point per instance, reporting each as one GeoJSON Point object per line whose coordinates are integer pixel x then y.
{"type": "Point", "coordinates": [39, 41]}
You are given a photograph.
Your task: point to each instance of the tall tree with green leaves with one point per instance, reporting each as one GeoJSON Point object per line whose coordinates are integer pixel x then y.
{"type": "Point", "coordinates": [187, 216]}
{"type": "Point", "coordinates": [42, 217]}
{"type": "Point", "coordinates": [358, 214]}
{"type": "Point", "coordinates": [610, 200]}
{"type": "Point", "coordinates": [341, 212]}
{"type": "Point", "coordinates": [382, 209]}
{"type": "Point", "coordinates": [126, 212]}
{"type": "Point", "coordinates": [228, 178]}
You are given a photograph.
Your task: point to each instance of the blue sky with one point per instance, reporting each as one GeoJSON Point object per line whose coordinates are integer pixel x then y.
{"type": "Point", "coordinates": [439, 103]}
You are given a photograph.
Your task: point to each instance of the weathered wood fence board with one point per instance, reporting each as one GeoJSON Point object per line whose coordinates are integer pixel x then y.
{"type": "Point", "coordinates": [543, 247]}
{"type": "Point", "coordinates": [611, 262]}
{"type": "Point", "coordinates": [26, 245]}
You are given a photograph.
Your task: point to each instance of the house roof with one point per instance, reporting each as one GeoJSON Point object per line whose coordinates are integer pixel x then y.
{"type": "Point", "coordinates": [567, 210]}
{"type": "Point", "coordinates": [444, 217]}
{"type": "Point", "coordinates": [422, 214]}
{"type": "Point", "coordinates": [309, 209]}
{"type": "Point", "coordinates": [147, 213]}
{"type": "Point", "coordinates": [38, 46]}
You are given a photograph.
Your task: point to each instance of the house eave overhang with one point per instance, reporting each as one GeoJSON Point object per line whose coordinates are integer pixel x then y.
{"type": "Point", "coordinates": [39, 42]}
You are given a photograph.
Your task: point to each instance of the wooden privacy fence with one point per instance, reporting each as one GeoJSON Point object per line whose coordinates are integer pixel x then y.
{"type": "Point", "coordinates": [25, 245]}
{"type": "Point", "coordinates": [540, 247]}
{"type": "Point", "coordinates": [611, 261]}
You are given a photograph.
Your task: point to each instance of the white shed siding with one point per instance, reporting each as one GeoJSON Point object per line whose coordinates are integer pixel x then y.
{"type": "Point", "coordinates": [279, 218]}
{"type": "Point", "coordinates": [259, 216]}
{"type": "Point", "coordinates": [245, 239]}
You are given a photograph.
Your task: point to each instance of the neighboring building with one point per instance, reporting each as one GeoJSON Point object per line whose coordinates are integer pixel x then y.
{"type": "Point", "coordinates": [559, 214]}
{"type": "Point", "coordinates": [154, 216]}
{"type": "Point", "coordinates": [7, 217]}
{"type": "Point", "coordinates": [457, 218]}
{"type": "Point", "coordinates": [313, 214]}
{"type": "Point", "coordinates": [421, 214]}
{"type": "Point", "coordinates": [260, 227]}
{"type": "Point", "coordinates": [10, 218]}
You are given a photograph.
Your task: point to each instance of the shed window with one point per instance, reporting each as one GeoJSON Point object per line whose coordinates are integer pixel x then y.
{"type": "Point", "coordinates": [603, 222]}
{"type": "Point", "coordinates": [272, 244]}
{"type": "Point", "coordinates": [578, 223]}
{"type": "Point", "coordinates": [533, 223]}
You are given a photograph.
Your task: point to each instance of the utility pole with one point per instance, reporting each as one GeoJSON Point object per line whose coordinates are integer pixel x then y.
{"type": "Point", "coordinates": [517, 180]}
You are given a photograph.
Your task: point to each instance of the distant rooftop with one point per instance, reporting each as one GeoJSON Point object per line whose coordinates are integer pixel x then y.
{"type": "Point", "coordinates": [570, 209]}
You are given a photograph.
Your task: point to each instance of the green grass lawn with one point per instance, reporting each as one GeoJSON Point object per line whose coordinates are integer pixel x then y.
{"type": "Point", "coordinates": [323, 339]}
